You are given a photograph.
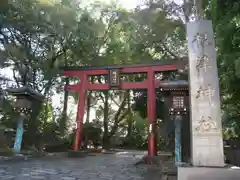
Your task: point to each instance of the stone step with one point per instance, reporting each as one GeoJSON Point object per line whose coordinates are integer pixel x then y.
{"type": "Point", "coordinates": [169, 170]}
{"type": "Point", "coordinates": [169, 166]}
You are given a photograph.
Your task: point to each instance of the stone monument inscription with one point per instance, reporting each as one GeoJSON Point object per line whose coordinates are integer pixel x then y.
{"type": "Point", "coordinates": [206, 125]}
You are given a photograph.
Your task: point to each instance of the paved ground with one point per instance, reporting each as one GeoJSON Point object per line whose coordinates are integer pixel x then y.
{"type": "Point", "coordinates": [119, 166]}
{"type": "Point", "coordinates": [201, 173]}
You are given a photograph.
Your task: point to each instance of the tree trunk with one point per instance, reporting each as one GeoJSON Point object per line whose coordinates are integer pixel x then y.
{"type": "Point", "coordinates": [130, 116]}
{"type": "Point", "coordinates": [106, 139]}
{"type": "Point", "coordinates": [31, 136]}
{"type": "Point", "coordinates": [187, 9]}
{"type": "Point", "coordinates": [63, 120]}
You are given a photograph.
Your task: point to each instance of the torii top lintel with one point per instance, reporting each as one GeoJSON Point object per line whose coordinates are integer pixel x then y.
{"type": "Point", "coordinates": [170, 65]}
{"type": "Point", "coordinates": [150, 69]}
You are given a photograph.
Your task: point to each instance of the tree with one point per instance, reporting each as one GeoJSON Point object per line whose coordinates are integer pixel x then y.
{"type": "Point", "coordinates": [225, 15]}
{"type": "Point", "coordinates": [36, 38]}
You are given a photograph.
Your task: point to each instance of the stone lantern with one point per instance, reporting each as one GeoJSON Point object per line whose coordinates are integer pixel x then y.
{"type": "Point", "coordinates": [177, 91]}
{"type": "Point", "coordinates": [26, 98]}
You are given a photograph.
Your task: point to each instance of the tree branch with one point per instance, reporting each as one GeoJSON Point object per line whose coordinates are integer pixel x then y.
{"type": "Point", "coordinates": [168, 50]}
{"type": "Point", "coordinates": [115, 102]}
{"type": "Point", "coordinates": [105, 35]}
{"type": "Point", "coordinates": [15, 78]}
{"type": "Point", "coordinates": [115, 126]}
{"type": "Point", "coordinates": [187, 6]}
{"type": "Point", "coordinates": [120, 108]}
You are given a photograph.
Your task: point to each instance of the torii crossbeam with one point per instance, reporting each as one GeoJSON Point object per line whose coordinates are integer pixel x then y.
{"type": "Point", "coordinates": [114, 73]}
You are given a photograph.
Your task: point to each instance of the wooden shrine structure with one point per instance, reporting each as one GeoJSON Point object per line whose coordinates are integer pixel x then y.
{"type": "Point", "coordinates": [114, 82]}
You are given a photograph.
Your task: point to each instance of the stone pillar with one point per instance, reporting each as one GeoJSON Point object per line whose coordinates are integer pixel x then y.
{"type": "Point", "coordinates": [206, 125]}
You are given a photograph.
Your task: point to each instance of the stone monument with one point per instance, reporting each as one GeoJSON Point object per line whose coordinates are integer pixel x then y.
{"type": "Point", "coordinates": [206, 124]}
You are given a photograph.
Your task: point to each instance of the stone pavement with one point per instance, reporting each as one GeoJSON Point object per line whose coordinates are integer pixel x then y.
{"type": "Point", "coordinates": [204, 173]}
{"type": "Point", "coordinates": [118, 166]}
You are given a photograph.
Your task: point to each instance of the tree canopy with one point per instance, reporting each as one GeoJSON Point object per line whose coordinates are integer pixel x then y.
{"type": "Point", "coordinates": [38, 37]}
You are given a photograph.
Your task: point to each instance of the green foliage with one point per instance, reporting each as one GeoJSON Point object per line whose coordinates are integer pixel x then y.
{"type": "Point", "coordinates": [226, 18]}
{"type": "Point", "coordinates": [38, 37]}
{"type": "Point", "coordinates": [138, 137]}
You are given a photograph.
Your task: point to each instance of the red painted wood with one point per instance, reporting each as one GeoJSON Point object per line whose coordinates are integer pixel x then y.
{"type": "Point", "coordinates": [171, 67]}
{"type": "Point", "coordinates": [98, 87]}
{"type": "Point", "coordinates": [126, 85]}
{"type": "Point", "coordinates": [80, 111]}
{"type": "Point", "coordinates": [152, 151]}
{"type": "Point", "coordinates": [134, 85]}
{"type": "Point", "coordinates": [150, 84]}
{"type": "Point", "coordinates": [134, 70]}
{"type": "Point", "coordinates": [74, 87]}
{"type": "Point", "coordinates": [152, 143]}
{"type": "Point", "coordinates": [97, 72]}
{"type": "Point", "coordinates": [73, 73]}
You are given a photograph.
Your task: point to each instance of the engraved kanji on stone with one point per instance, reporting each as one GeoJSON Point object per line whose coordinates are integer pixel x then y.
{"type": "Point", "coordinates": [200, 93]}
{"type": "Point", "coordinates": [202, 63]}
{"type": "Point", "coordinates": [206, 125]}
{"type": "Point", "coordinates": [206, 92]}
{"type": "Point", "coordinates": [201, 39]}
{"type": "Point", "coordinates": [209, 92]}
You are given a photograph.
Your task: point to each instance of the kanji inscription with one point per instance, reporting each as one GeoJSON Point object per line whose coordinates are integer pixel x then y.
{"type": "Point", "coordinates": [205, 125]}
{"type": "Point", "coordinates": [210, 92]}
{"type": "Point", "coordinates": [207, 92]}
{"type": "Point", "coordinates": [202, 39]}
{"type": "Point", "coordinates": [114, 77]}
{"type": "Point", "coordinates": [200, 93]}
{"type": "Point", "coordinates": [204, 93]}
{"type": "Point", "coordinates": [202, 63]}
{"type": "Point", "coordinates": [198, 43]}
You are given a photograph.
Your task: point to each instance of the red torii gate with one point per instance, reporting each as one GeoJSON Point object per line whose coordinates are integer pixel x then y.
{"type": "Point", "coordinates": [114, 73]}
